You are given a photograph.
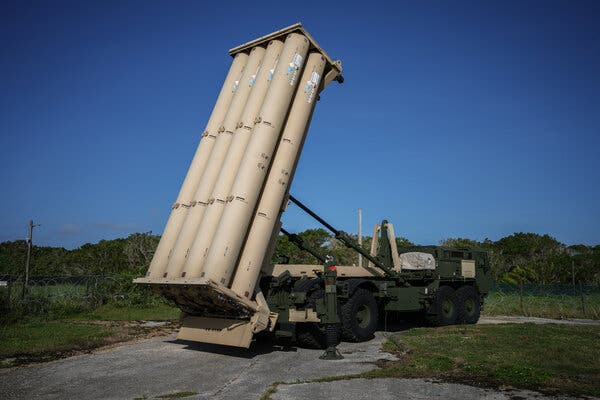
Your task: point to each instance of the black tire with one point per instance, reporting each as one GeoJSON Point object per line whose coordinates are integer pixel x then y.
{"type": "Point", "coordinates": [443, 311]}
{"type": "Point", "coordinates": [359, 316]}
{"type": "Point", "coordinates": [468, 305]}
{"type": "Point", "coordinates": [309, 335]}
{"type": "Point", "coordinates": [182, 316]}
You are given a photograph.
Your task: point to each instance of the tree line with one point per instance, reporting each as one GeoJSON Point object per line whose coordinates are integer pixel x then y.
{"type": "Point", "coordinates": [526, 257]}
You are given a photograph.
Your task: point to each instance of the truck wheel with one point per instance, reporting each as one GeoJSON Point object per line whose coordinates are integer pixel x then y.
{"type": "Point", "coordinates": [359, 316]}
{"type": "Point", "coordinates": [182, 316]}
{"type": "Point", "coordinates": [443, 310]}
{"type": "Point", "coordinates": [310, 336]}
{"type": "Point", "coordinates": [468, 305]}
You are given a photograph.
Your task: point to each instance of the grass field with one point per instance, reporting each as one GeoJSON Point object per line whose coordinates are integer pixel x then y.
{"type": "Point", "coordinates": [543, 306]}
{"type": "Point", "coordinates": [551, 358]}
{"type": "Point", "coordinates": [112, 312]}
{"type": "Point", "coordinates": [36, 339]}
{"type": "Point", "coordinates": [39, 340]}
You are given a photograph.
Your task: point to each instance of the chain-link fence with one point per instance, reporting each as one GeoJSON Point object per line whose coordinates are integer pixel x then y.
{"type": "Point", "coordinates": [61, 296]}
{"type": "Point", "coordinates": [550, 301]}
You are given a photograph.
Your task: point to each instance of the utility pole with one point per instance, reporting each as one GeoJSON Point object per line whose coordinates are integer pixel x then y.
{"type": "Point", "coordinates": [360, 260]}
{"type": "Point", "coordinates": [29, 244]}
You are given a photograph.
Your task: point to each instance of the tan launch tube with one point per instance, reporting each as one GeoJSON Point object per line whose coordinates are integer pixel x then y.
{"type": "Point", "coordinates": [214, 164]}
{"type": "Point", "coordinates": [280, 178]}
{"type": "Point", "coordinates": [190, 183]}
{"type": "Point", "coordinates": [233, 226]}
{"type": "Point", "coordinates": [232, 161]}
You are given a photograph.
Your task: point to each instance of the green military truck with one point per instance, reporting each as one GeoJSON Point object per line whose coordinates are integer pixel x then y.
{"type": "Point", "coordinates": [320, 305]}
{"type": "Point", "coordinates": [439, 285]}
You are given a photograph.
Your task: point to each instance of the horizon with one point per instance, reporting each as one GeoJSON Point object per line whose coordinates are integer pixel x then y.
{"type": "Point", "coordinates": [466, 120]}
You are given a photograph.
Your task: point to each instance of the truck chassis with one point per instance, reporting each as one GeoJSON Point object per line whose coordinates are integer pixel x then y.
{"type": "Point", "coordinates": [450, 292]}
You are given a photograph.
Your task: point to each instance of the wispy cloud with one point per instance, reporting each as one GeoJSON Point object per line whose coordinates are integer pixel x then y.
{"type": "Point", "coordinates": [70, 229]}
{"type": "Point", "coordinates": [115, 227]}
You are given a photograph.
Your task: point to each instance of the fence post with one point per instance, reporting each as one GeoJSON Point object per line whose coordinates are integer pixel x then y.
{"type": "Point", "coordinates": [582, 298]}
{"type": "Point", "coordinates": [521, 295]}
{"type": "Point", "coordinates": [573, 272]}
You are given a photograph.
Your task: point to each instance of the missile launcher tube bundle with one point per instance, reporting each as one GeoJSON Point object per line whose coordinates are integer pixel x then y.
{"type": "Point", "coordinates": [190, 183]}
{"type": "Point", "coordinates": [228, 238]}
{"type": "Point", "coordinates": [225, 221]}
{"type": "Point", "coordinates": [214, 164]}
{"type": "Point", "coordinates": [241, 137]}
{"type": "Point", "coordinates": [279, 179]}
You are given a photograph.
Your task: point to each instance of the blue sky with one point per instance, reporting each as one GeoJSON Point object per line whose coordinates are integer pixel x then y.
{"type": "Point", "coordinates": [463, 119]}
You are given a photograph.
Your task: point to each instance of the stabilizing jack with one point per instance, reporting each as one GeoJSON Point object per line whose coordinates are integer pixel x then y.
{"type": "Point", "coordinates": [331, 320]}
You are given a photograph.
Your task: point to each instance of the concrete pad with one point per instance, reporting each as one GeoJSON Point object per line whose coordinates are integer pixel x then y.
{"type": "Point", "coordinates": [164, 365]}
{"type": "Point", "coordinates": [389, 389]}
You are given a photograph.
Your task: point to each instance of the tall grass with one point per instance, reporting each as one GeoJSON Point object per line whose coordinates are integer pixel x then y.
{"type": "Point", "coordinates": [558, 306]}
{"type": "Point", "coordinates": [51, 300]}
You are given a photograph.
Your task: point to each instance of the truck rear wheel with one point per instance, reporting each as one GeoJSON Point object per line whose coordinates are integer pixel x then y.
{"type": "Point", "coordinates": [359, 316]}
{"type": "Point", "coordinates": [443, 310]}
{"type": "Point", "coordinates": [468, 305]}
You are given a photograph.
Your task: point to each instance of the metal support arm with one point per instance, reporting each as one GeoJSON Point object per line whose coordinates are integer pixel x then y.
{"type": "Point", "coordinates": [343, 237]}
{"type": "Point", "coordinates": [298, 241]}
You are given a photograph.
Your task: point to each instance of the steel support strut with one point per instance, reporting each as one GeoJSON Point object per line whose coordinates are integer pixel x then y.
{"type": "Point", "coordinates": [331, 319]}
{"type": "Point", "coordinates": [299, 242]}
{"type": "Point", "coordinates": [343, 237]}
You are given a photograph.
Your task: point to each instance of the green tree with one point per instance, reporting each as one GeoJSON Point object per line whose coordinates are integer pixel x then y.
{"type": "Point", "coordinates": [139, 249]}
{"type": "Point", "coordinates": [285, 250]}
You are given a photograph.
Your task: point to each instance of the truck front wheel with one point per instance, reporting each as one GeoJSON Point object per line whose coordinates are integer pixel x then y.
{"type": "Point", "coordinates": [468, 305]}
{"type": "Point", "coordinates": [443, 310]}
{"type": "Point", "coordinates": [310, 335]}
{"type": "Point", "coordinates": [359, 316]}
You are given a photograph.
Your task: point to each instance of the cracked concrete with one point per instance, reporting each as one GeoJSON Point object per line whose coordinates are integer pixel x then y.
{"type": "Point", "coordinates": [164, 365]}
{"type": "Point", "coordinates": [389, 389]}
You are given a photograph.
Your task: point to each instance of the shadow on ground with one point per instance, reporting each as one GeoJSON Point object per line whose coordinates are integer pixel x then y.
{"type": "Point", "coordinates": [266, 344]}
{"type": "Point", "coordinates": [261, 345]}
{"type": "Point", "coordinates": [398, 322]}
